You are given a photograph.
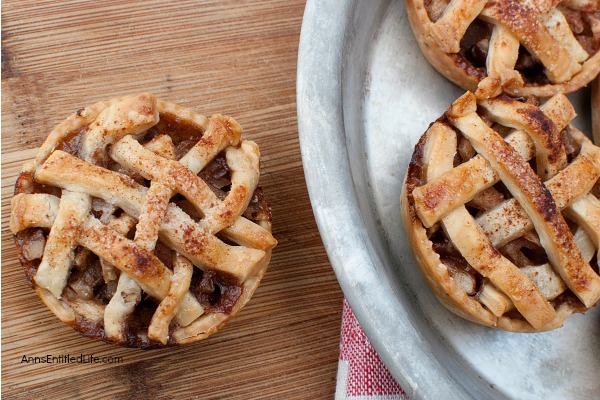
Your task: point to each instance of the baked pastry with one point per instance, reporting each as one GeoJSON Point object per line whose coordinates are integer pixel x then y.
{"type": "Point", "coordinates": [500, 206]}
{"type": "Point", "coordinates": [537, 47]}
{"type": "Point", "coordinates": [142, 223]}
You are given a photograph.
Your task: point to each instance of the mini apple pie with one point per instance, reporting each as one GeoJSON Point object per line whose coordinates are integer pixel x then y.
{"type": "Point", "coordinates": [142, 223]}
{"type": "Point", "coordinates": [500, 206]}
{"type": "Point", "coordinates": [537, 47]}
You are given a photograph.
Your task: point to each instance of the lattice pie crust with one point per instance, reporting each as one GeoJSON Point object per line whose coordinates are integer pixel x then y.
{"type": "Point", "coordinates": [141, 222]}
{"type": "Point", "coordinates": [500, 205]}
{"type": "Point", "coordinates": [536, 47]}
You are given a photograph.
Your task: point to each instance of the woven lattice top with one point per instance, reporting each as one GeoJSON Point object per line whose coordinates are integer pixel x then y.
{"type": "Point", "coordinates": [500, 206]}
{"type": "Point", "coordinates": [134, 221]}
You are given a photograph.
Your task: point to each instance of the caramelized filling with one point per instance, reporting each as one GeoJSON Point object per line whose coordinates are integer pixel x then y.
{"type": "Point", "coordinates": [217, 175]}
{"type": "Point", "coordinates": [216, 292]}
{"type": "Point", "coordinates": [26, 183]}
{"type": "Point", "coordinates": [72, 142]}
{"type": "Point", "coordinates": [183, 133]}
{"type": "Point", "coordinates": [213, 292]}
{"type": "Point", "coordinates": [24, 241]}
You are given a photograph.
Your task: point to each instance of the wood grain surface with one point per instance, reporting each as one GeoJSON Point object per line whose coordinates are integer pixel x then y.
{"type": "Point", "coordinates": [232, 57]}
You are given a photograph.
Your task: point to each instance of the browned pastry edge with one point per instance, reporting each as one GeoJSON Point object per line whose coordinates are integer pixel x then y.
{"type": "Point", "coordinates": [438, 279]}
{"type": "Point", "coordinates": [467, 78]}
{"type": "Point", "coordinates": [464, 74]}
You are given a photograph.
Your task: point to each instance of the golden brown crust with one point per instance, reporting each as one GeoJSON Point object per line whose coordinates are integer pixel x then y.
{"type": "Point", "coordinates": [565, 74]}
{"type": "Point", "coordinates": [501, 285]}
{"type": "Point", "coordinates": [87, 184]}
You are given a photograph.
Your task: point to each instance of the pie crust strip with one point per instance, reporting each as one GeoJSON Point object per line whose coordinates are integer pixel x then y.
{"type": "Point", "coordinates": [32, 210]}
{"type": "Point", "coordinates": [244, 165]}
{"type": "Point", "coordinates": [433, 200]}
{"type": "Point", "coordinates": [550, 152]}
{"type": "Point", "coordinates": [53, 271]}
{"type": "Point", "coordinates": [168, 307]}
{"type": "Point", "coordinates": [496, 301]}
{"type": "Point", "coordinates": [127, 295]}
{"type": "Point", "coordinates": [586, 213]}
{"type": "Point", "coordinates": [221, 133]}
{"type": "Point", "coordinates": [452, 25]}
{"type": "Point", "coordinates": [162, 145]}
{"type": "Point", "coordinates": [523, 21]}
{"type": "Point", "coordinates": [128, 117]}
{"type": "Point", "coordinates": [545, 279]}
{"type": "Point", "coordinates": [472, 243]}
{"type": "Point", "coordinates": [157, 197]}
{"type": "Point", "coordinates": [525, 186]}
{"type": "Point", "coordinates": [558, 26]}
{"type": "Point", "coordinates": [585, 244]}
{"type": "Point", "coordinates": [508, 220]}
{"type": "Point", "coordinates": [151, 215]}
{"type": "Point", "coordinates": [122, 225]}
{"type": "Point", "coordinates": [130, 258]}
{"type": "Point", "coordinates": [502, 57]}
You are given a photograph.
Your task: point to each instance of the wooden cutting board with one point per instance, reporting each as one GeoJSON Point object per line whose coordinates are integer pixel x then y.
{"type": "Point", "coordinates": [232, 57]}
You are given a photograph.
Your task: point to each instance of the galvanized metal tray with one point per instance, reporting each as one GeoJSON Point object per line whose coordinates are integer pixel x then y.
{"type": "Point", "coordinates": [365, 95]}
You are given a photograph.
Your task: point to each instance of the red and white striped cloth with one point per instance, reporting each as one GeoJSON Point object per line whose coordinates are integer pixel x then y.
{"type": "Point", "coordinates": [361, 373]}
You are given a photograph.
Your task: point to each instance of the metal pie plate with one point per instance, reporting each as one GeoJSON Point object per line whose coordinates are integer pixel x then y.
{"type": "Point", "coordinates": [365, 95]}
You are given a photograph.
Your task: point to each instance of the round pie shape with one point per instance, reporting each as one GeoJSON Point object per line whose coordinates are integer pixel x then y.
{"type": "Point", "coordinates": [524, 48]}
{"type": "Point", "coordinates": [141, 222]}
{"type": "Point", "coordinates": [500, 207]}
